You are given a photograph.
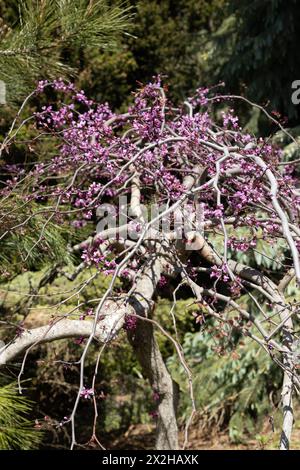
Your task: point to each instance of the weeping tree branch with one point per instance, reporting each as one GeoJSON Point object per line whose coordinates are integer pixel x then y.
{"type": "Point", "coordinates": [187, 172]}
{"type": "Point", "coordinates": [113, 320]}
{"type": "Point", "coordinates": [286, 327]}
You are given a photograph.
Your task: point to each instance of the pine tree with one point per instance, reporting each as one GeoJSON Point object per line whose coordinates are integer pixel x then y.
{"type": "Point", "coordinates": [16, 430]}
{"type": "Point", "coordinates": [48, 32]}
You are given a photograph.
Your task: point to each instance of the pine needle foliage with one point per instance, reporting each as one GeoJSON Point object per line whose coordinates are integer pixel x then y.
{"type": "Point", "coordinates": [17, 432]}
{"type": "Point", "coordinates": [40, 45]}
{"type": "Point", "coordinates": [31, 237]}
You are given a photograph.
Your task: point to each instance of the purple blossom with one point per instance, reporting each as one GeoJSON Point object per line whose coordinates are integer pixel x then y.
{"type": "Point", "coordinates": [130, 323]}
{"type": "Point", "coordinates": [87, 393]}
{"type": "Point", "coordinates": [241, 244]}
{"type": "Point", "coordinates": [153, 414]}
{"type": "Point", "coordinates": [220, 273]}
{"type": "Point", "coordinates": [163, 281]}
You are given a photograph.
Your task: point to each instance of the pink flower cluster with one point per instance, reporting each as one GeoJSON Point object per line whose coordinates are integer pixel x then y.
{"type": "Point", "coordinates": [87, 393]}
{"type": "Point", "coordinates": [98, 151]}
{"type": "Point", "coordinates": [130, 323]}
{"type": "Point", "coordinates": [241, 244]}
{"type": "Point", "coordinates": [220, 273]}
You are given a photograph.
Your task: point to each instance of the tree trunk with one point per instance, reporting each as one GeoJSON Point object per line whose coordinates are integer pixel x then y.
{"type": "Point", "coordinates": [147, 351]}
{"type": "Point", "coordinates": [287, 387]}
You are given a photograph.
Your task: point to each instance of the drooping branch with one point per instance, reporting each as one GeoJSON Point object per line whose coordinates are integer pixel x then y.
{"type": "Point", "coordinates": [113, 319]}
{"type": "Point", "coordinates": [274, 292]}
{"type": "Point", "coordinates": [281, 215]}
{"type": "Point", "coordinates": [189, 166]}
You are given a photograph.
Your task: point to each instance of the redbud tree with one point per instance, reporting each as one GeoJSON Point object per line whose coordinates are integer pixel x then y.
{"type": "Point", "coordinates": [149, 193]}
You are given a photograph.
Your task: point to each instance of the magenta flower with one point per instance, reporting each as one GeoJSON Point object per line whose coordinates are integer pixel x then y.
{"type": "Point", "coordinates": [130, 323]}
{"type": "Point", "coordinates": [87, 393]}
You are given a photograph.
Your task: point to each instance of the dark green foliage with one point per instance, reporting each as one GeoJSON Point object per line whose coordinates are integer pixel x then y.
{"type": "Point", "coordinates": [166, 39]}
{"type": "Point", "coordinates": [258, 53]}
{"type": "Point", "coordinates": [31, 238]}
{"type": "Point", "coordinates": [232, 389]}
{"type": "Point", "coordinates": [16, 430]}
{"type": "Point", "coordinates": [47, 32]}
